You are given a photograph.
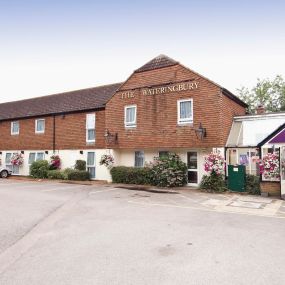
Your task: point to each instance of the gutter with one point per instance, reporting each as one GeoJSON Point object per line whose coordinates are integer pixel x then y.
{"type": "Point", "coordinates": [53, 114]}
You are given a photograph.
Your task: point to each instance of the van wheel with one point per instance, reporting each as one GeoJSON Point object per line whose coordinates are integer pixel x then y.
{"type": "Point", "coordinates": [4, 174]}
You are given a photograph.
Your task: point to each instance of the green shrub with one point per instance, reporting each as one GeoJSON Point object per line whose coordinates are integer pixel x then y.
{"type": "Point", "coordinates": [213, 183]}
{"type": "Point", "coordinates": [78, 175]}
{"type": "Point", "coordinates": [130, 175]}
{"type": "Point", "coordinates": [168, 171]}
{"type": "Point", "coordinates": [66, 172]}
{"type": "Point", "coordinates": [80, 165]}
{"type": "Point", "coordinates": [252, 184]}
{"type": "Point", "coordinates": [54, 174]}
{"type": "Point", "coordinates": [39, 169]}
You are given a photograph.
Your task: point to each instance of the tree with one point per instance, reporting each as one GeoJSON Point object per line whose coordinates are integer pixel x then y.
{"type": "Point", "coordinates": [269, 93]}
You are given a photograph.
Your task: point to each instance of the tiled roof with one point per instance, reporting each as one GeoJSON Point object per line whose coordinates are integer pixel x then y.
{"type": "Point", "coordinates": [158, 62]}
{"type": "Point", "coordinates": [79, 100]}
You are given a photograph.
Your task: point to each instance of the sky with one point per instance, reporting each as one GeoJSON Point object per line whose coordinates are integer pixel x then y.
{"type": "Point", "coordinates": [48, 47]}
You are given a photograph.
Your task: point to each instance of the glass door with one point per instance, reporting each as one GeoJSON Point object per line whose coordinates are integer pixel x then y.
{"type": "Point", "coordinates": [91, 164]}
{"type": "Point", "coordinates": [192, 163]}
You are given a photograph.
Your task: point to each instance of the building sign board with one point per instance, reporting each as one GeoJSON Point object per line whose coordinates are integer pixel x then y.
{"type": "Point", "coordinates": [165, 89]}
{"type": "Point", "coordinates": [177, 87]}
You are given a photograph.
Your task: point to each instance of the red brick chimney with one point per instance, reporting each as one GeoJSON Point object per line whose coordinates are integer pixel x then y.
{"type": "Point", "coordinates": [260, 109]}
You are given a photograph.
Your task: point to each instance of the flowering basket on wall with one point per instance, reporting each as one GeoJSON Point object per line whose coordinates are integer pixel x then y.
{"type": "Point", "coordinates": [107, 160]}
{"type": "Point", "coordinates": [214, 163]}
{"type": "Point", "coordinates": [269, 167]}
{"type": "Point", "coordinates": [17, 159]}
{"type": "Point", "coordinates": [55, 161]}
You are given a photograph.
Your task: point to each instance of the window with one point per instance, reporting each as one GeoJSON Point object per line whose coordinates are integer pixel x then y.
{"type": "Point", "coordinates": [8, 160]}
{"type": "Point", "coordinates": [35, 156]}
{"type": "Point", "coordinates": [14, 168]}
{"type": "Point", "coordinates": [90, 128]}
{"type": "Point", "coordinates": [131, 116]}
{"type": "Point", "coordinates": [163, 154]}
{"type": "Point", "coordinates": [139, 159]}
{"type": "Point", "coordinates": [185, 111]}
{"type": "Point", "coordinates": [40, 126]}
{"type": "Point", "coordinates": [15, 128]}
{"type": "Point", "coordinates": [91, 164]}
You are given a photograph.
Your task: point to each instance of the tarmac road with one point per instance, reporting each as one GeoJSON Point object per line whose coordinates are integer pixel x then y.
{"type": "Point", "coordinates": [54, 233]}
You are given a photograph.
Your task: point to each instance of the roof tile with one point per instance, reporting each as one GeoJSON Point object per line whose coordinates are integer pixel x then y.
{"type": "Point", "coordinates": [78, 100]}
{"type": "Point", "coordinates": [158, 62]}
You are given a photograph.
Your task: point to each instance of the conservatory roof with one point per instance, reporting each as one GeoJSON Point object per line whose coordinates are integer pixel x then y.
{"type": "Point", "coordinates": [250, 131]}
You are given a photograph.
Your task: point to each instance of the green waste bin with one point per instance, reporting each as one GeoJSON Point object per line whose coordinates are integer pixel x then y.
{"type": "Point", "coordinates": [236, 177]}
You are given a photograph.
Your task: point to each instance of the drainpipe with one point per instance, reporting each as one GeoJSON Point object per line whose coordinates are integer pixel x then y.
{"type": "Point", "coordinates": [53, 141]}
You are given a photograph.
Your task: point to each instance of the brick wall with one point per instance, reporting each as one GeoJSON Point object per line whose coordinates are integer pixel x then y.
{"type": "Point", "coordinates": [229, 109]}
{"type": "Point", "coordinates": [70, 133]}
{"type": "Point", "coordinates": [157, 125]}
{"type": "Point", "coordinates": [157, 114]}
{"type": "Point", "coordinates": [272, 188]}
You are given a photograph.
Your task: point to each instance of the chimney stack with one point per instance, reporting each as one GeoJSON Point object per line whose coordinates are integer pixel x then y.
{"type": "Point", "coordinates": [260, 109]}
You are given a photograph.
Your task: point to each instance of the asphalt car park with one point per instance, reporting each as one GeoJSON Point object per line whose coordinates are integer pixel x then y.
{"type": "Point", "coordinates": [57, 233]}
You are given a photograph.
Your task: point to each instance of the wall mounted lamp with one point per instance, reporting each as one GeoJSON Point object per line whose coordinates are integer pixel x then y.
{"type": "Point", "coordinates": [200, 132]}
{"type": "Point", "coordinates": [109, 137]}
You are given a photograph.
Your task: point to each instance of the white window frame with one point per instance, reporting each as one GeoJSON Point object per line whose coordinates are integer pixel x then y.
{"type": "Point", "coordinates": [184, 120]}
{"type": "Point", "coordinates": [161, 151]}
{"type": "Point", "coordinates": [141, 151]}
{"type": "Point", "coordinates": [12, 128]}
{"type": "Point", "coordinates": [88, 166]}
{"type": "Point", "coordinates": [36, 126]}
{"type": "Point", "coordinates": [10, 166]}
{"type": "Point", "coordinates": [132, 124]}
{"type": "Point", "coordinates": [36, 156]}
{"type": "Point", "coordinates": [87, 128]}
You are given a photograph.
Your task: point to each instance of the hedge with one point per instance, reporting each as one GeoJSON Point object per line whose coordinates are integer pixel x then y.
{"type": "Point", "coordinates": [78, 175]}
{"type": "Point", "coordinates": [131, 175]}
{"type": "Point", "coordinates": [167, 171]}
{"type": "Point", "coordinates": [213, 183]}
{"type": "Point", "coordinates": [252, 184]}
{"type": "Point", "coordinates": [39, 169]}
{"type": "Point", "coordinates": [55, 174]}
{"type": "Point", "coordinates": [80, 164]}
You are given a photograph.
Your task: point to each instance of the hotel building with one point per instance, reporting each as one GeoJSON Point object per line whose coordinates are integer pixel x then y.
{"type": "Point", "coordinates": [162, 107]}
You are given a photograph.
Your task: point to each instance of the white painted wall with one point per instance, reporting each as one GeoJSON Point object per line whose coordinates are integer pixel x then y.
{"type": "Point", "coordinates": [68, 158]}
{"type": "Point", "coordinates": [122, 157]}
{"type": "Point", "coordinates": [127, 157]}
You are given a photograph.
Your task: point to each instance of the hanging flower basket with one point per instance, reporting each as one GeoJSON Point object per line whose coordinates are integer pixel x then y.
{"type": "Point", "coordinates": [55, 161]}
{"type": "Point", "coordinates": [17, 159]}
{"type": "Point", "coordinates": [214, 163]}
{"type": "Point", "coordinates": [269, 167]}
{"type": "Point", "coordinates": [107, 160]}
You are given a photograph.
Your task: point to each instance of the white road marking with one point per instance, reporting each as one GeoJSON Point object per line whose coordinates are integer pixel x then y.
{"type": "Point", "coordinates": [205, 209]}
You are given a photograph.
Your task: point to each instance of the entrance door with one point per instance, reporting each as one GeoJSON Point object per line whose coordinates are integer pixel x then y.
{"type": "Point", "coordinates": [192, 163]}
{"type": "Point", "coordinates": [282, 170]}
